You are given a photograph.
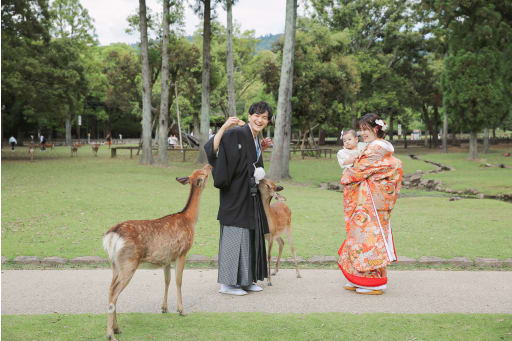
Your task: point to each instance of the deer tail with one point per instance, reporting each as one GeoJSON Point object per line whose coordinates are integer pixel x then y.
{"type": "Point", "coordinates": [113, 243]}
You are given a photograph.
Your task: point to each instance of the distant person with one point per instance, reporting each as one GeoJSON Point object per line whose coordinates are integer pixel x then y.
{"type": "Point", "coordinates": [109, 139]}
{"type": "Point", "coordinates": [352, 148]}
{"type": "Point", "coordinates": [172, 141]}
{"type": "Point", "coordinates": [120, 138]}
{"type": "Point", "coordinates": [12, 141]}
{"type": "Point", "coordinates": [371, 187]}
{"type": "Point", "coordinates": [42, 140]}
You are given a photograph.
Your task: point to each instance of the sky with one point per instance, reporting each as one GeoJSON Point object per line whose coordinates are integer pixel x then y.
{"type": "Point", "coordinates": [263, 16]}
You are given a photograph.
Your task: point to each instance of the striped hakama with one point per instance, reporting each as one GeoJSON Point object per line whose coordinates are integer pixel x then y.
{"type": "Point", "coordinates": [235, 256]}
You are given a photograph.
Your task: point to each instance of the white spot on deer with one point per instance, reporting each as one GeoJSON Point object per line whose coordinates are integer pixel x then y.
{"type": "Point", "coordinates": [111, 308]}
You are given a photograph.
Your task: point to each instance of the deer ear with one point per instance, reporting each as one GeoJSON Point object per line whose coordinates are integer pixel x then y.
{"type": "Point", "coordinates": [183, 180]}
{"type": "Point", "coordinates": [279, 188]}
{"type": "Point", "coordinates": [199, 182]}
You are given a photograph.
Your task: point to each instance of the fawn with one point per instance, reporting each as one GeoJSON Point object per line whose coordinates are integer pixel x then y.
{"type": "Point", "coordinates": [279, 219]}
{"type": "Point", "coordinates": [74, 150]}
{"type": "Point", "coordinates": [159, 242]}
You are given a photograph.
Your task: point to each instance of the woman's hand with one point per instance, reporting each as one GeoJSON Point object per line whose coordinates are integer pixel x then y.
{"type": "Point", "coordinates": [265, 143]}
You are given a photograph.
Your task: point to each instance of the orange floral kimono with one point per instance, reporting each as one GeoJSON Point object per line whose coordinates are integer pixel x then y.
{"type": "Point", "coordinates": [371, 188]}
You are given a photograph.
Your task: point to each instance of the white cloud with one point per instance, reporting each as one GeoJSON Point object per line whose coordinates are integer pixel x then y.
{"type": "Point", "coordinates": [263, 16]}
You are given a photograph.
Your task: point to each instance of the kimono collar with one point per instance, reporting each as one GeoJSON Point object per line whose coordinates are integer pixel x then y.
{"type": "Point", "coordinates": [251, 146]}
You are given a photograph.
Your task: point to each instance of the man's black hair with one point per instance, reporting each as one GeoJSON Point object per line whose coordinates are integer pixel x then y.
{"type": "Point", "coordinates": [260, 108]}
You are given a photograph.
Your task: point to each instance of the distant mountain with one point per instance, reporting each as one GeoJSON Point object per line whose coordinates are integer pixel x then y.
{"type": "Point", "coordinates": [265, 42]}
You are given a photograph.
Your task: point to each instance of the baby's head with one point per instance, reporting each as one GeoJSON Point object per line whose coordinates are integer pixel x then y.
{"type": "Point", "coordinates": [350, 139]}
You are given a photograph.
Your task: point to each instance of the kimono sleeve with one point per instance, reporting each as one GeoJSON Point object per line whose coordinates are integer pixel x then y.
{"type": "Point", "coordinates": [225, 161]}
{"type": "Point", "coordinates": [367, 165]}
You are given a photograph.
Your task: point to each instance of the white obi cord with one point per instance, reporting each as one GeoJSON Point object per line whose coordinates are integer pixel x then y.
{"type": "Point", "coordinates": [259, 174]}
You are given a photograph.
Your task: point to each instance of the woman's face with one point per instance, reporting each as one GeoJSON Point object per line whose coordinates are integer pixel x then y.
{"type": "Point", "coordinates": [258, 122]}
{"type": "Point", "coordinates": [368, 133]}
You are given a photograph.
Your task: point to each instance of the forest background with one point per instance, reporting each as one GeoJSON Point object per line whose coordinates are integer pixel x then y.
{"type": "Point", "coordinates": [413, 62]}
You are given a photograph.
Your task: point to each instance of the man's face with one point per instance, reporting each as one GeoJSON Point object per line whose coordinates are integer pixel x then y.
{"type": "Point", "coordinates": [349, 141]}
{"type": "Point", "coordinates": [258, 122]}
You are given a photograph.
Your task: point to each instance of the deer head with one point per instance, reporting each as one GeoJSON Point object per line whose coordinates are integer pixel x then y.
{"type": "Point", "coordinates": [269, 190]}
{"type": "Point", "coordinates": [198, 177]}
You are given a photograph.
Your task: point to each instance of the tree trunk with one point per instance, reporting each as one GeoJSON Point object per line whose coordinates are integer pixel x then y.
{"type": "Point", "coordinates": [68, 131]}
{"type": "Point", "coordinates": [196, 128]}
{"type": "Point", "coordinates": [391, 131]}
{"type": "Point", "coordinates": [445, 133]}
{"type": "Point", "coordinates": [280, 159]}
{"type": "Point", "coordinates": [205, 96]}
{"type": "Point", "coordinates": [311, 137]}
{"type": "Point", "coordinates": [147, 155]}
{"type": "Point", "coordinates": [405, 136]}
{"type": "Point", "coordinates": [229, 62]}
{"type": "Point", "coordinates": [473, 143]}
{"type": "Point", "coordinates": [164, 99]}
{"type": "Point", "coordinates": [435, 127]}
{"type": "Point", "coordinates": [486, 140]}
{"type": "Point", "coordinates": [321, 137]}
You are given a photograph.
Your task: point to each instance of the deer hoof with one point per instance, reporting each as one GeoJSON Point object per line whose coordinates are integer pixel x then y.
{"type": "Point", "coordinates": [180, 311]}
{"type": "Point", "coordinates": [117, 331]}
{"type": "Point", "coordinates": [299, 276]}
{"type": "Point", "coordinates": [269, 284]}
{"type": "Point", "coordinates": [164, 310]}
{"type": "Point", "coordinates": [111, 338]}
{"type": "Point", "coordinates": [274, 273]}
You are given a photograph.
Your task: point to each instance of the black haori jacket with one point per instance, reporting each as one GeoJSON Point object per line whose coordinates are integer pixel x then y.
{"type": "Point", "coordinates": [232, 168]}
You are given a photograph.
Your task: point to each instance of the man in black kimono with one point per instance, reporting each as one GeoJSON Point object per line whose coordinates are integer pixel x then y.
{"type": "Point", "coordinates": [234, 155]}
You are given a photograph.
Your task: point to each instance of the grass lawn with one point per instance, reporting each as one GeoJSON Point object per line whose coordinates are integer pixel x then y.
{"type": "Point", "coordinates": [262, 326]}
{"type": "Point", "coordinates": [61, 206]}
{"type": "Point", "coordinates": [467, 174]}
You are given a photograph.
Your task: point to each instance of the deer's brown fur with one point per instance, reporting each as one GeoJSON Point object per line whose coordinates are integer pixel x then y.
{"type": "Point", "coordinates": [279, 219]}
{"type": "Point", "coordinates": [159, 242]}
{"type": "Point", "coordinates": [95, 148]}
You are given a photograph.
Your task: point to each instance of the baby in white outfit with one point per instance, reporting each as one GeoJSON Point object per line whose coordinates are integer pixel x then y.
{"type": "Point", "coordinates": [352, 149]}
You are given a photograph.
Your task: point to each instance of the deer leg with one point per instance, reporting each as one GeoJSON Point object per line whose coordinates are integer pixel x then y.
{"type": "Point", "coordinates": [167, 274]}
{"type": "Point", "coordinates": [290, 241]}
{"type": "Point", "coordinates": [280, 241]}
{"type": "Point", "coordinates": [269, 258]}
{"type": "Point", "coordinates": [180, 264]}
{"type": "Point", "coordinates": [119, 281]}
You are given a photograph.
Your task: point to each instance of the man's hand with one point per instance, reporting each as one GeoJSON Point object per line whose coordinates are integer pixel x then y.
{"type": "Point", "coordinates": [265, 143]}
{"type": "Point", "coordinates": [232, 121]}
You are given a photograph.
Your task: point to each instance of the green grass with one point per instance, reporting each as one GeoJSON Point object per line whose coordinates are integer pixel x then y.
{"type": "Point", "coordinates": [61, 206]}
{"type": "Point", "coordinates": [471, 174]}
{"type": "Point", "coordinates": [262, 326]}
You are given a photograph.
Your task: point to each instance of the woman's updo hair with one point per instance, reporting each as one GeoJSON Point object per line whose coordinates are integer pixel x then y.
{"type": "Point", "coordinates": [368, 122]}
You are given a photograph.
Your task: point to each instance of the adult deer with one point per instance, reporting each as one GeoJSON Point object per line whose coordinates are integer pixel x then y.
{"type": "Point", "coordinates": [95, 148]}
{"type": "Point", "coordinates": [159, 242]}
{"type": "Point", "coordinates": [279, 219]}
{"type": "Point", "coordinates": [74, 150]}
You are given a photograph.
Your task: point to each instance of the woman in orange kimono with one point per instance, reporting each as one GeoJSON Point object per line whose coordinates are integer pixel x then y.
{"type": "Point", "coordinates": [371, 188]}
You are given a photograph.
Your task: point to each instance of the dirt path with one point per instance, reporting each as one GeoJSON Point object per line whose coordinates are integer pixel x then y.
{"type": "Point", "coordinates": [85, 291]}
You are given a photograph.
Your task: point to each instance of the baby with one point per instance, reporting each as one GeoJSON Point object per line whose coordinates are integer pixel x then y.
{"type": "Point", "coordinates": [352, 148]}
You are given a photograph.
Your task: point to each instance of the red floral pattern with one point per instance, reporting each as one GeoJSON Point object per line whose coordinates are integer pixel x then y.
{"type": "Point", "coordinates": [371, 188]}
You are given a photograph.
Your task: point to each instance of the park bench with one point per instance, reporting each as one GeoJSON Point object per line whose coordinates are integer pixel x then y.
{"type": "Point", "coordinates": [317, 152]}
{"type": "Point", "coordinates": [113, 150]}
